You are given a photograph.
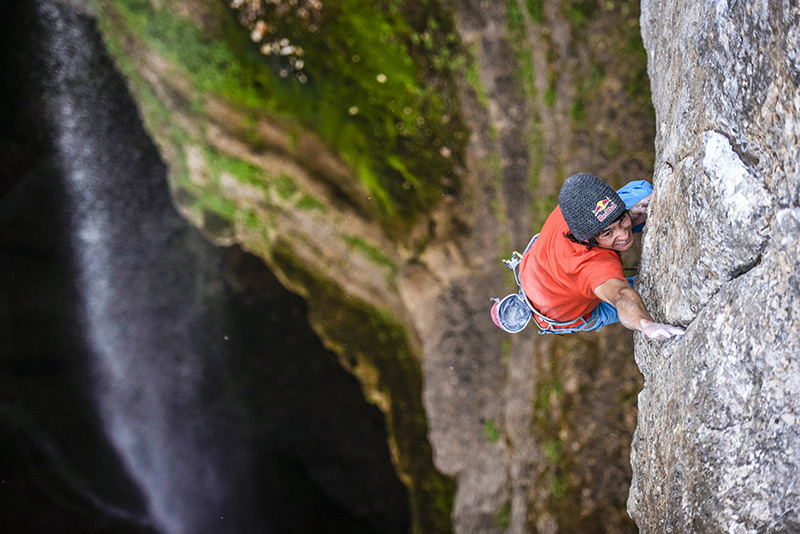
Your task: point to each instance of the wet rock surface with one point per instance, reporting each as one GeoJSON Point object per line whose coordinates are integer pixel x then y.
{"type": "Point", "coordinates": [716, 443]}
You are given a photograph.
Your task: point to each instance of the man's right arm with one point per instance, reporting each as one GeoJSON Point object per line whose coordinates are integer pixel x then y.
{"type": "Point", "coordinates": [631, 310]}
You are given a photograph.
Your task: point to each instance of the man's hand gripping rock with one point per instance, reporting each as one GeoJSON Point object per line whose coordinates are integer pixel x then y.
{"type": "Point", "coordinates": [660, 331]}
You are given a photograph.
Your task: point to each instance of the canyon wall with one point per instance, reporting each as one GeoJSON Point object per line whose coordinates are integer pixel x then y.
{"type": "Point", "coordinates": [717, 440]}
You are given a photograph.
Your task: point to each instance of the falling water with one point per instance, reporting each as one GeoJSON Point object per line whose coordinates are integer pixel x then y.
{"type": "Point", "coordinates": [154, 365]}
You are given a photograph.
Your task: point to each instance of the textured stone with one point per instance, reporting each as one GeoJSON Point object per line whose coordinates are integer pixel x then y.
{"type": "Point", "coordinates": [717, 441]}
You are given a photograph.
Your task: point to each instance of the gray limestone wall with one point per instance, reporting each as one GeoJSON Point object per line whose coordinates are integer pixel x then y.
{"type": "Point", "coordinates": [717, 445]}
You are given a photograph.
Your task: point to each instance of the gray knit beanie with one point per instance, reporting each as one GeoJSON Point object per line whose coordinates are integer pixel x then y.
{"type": "Point", "coordinates": [588, 205]}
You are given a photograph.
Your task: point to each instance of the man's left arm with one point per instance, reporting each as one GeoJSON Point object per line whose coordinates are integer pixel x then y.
{"type": "Point", "coordinates": [631, 310]}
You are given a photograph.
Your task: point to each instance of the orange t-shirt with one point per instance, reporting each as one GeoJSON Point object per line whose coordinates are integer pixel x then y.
{"type": "Point", "coordinates": [560, 276]}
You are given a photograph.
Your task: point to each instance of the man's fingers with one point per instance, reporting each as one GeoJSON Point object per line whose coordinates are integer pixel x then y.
{"type": "Point", "coordinates": [673, 330]}
{"type": "Point", "coordinates": [644, 202]}
{"type": "Point", "coordinates": [660, 332]}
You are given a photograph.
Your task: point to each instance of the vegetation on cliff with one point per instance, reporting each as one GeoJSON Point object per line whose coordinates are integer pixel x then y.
{"type": "Point", "coordinates": [372, 81]}
{"type": "Point", "coordinates": [280, 125]}
{"type": "Point", "coordinates": [319, 136]}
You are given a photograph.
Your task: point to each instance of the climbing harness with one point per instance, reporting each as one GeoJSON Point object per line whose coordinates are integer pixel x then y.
{"type": "Point", "coordinates": [513, 312]}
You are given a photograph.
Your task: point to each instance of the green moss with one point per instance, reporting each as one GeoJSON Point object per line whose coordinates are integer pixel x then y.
{"type": "Point", "coordinates": [541, 207]}
{"type": "Point", "coordinates": [292, 141]}
{"type": "Point", "coordinates": [473, 78]}
{"type": "Point", "coordinates": [549, 390]}
{"type": "Point", "coordinates": [444, 491]}
{"type": "Point", "coordinates": [545, 391]}
{"type": "Point", "coordinates": [393, 73]}
{"type": "Point", "coordinates": [577, 111]}
{"type": "Point", "coordinates": [636, 48]}
{"type": "Point", "coordinates": [308, 202]}
{"type": "Point", "coordinates": [551, 422]}
{"type": "Point", "coordinates": [626, 42]}
{"type": "Point", "coordinates": [558, 486]}
{"type": "Point", "coordinates": [285, 186]}
{"type": "Point", "coordinates": [534, 138]}
{"type": "Point", "coordinates": [580, 12]}
{"type": "Point", "coordinates": [370, 252]}
{"type": "Point", "coordinates": [536, 10]}
{"type": "Point", "coordinates": [524, 74]}
{"type": "Point", "coordinates": [553, 451]}
{"type": "Point", "coordinates": [502, 517]}
{"type": "Point", "coordinates": [596, 76]}
{"type": "Point", "coordinates": [220, 163]}
{"type": "Point", "coordinates": [551, 92]}
{"type": "Point", "coordinates": [208, 62]}
{"type": "Point", "coordinates": [251, 134]}
{"type": "Point", "coordinates": [218, 205]}
{"type": "Point", "coordinates": [526, 88]}
{"type": "Point", "coordinates": [252, 221]}
{"type": "Point", "coordinates": [638, 85]}
{"type": "Point", "coordinates": [542, 401]}
{"type": "Point", "coordinates": [491, 430]}
{"type": "Point", "coordinates": [516, 22]}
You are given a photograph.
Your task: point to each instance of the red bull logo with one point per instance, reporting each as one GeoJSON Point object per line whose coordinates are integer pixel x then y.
{"type": "Point", "coordinates": [603, 208]}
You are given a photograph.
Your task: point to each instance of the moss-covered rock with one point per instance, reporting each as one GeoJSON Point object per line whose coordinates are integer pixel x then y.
{"type": "Point", "coordinates": [331, 140]}
{"type": "Point", "coordinates": [316, 139]}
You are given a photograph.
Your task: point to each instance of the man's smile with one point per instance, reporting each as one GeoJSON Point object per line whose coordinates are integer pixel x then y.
{"type": "Point", "coordinates": [624, 242]}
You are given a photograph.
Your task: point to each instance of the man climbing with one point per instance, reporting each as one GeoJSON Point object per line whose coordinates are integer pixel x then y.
{"type": "Point", "coordinates": [571, 276]}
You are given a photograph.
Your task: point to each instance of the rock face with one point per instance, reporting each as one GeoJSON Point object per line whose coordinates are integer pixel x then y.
{"type": "Point", "coordinates": [717, 442]}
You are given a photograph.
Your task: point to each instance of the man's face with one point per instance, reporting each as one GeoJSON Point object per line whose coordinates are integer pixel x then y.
{"type": "Point", "coordinates": [617, 236]}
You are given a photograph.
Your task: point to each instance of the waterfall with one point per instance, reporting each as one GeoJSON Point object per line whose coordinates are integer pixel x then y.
{"type": "Point", "coordinates": [157, 347]}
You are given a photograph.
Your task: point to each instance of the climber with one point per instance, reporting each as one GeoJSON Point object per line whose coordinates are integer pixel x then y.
{"type": "Point", "coordinates": [571, 275]}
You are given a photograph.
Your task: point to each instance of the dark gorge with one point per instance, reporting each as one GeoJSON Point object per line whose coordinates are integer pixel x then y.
{"type": "Point", "coordinates": [151, 381]}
